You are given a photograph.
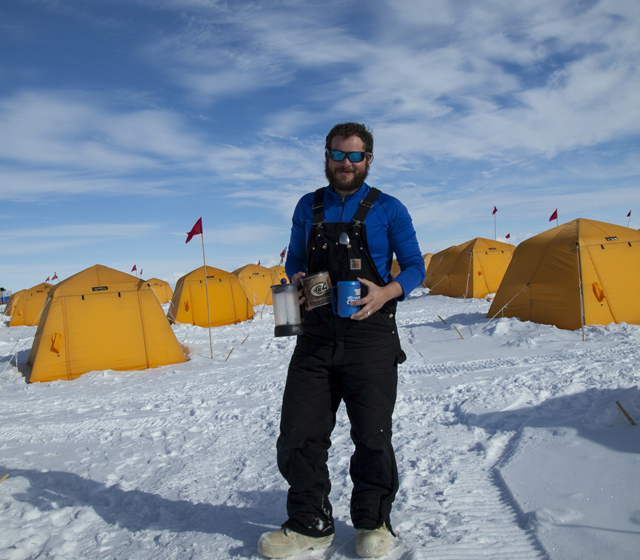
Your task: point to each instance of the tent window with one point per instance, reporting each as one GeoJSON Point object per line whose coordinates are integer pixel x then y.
{"type": "Point", "coordinates": [611, 238]}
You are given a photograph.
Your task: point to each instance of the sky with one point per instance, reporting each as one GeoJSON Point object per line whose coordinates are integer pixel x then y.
{"type": "Point", "coordinates": [124, 121]}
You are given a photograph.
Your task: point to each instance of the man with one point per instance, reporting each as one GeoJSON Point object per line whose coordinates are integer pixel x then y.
{"type": "Point", "coordinates": [352, 359]}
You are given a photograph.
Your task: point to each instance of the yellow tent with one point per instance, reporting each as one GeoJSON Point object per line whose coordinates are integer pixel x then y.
{"type": "Point", "coordinates": [161, 288]}
{"type": "Point", "coordinates": [11, 303]}
{"type": "Point", "coordinates": [579, 269]}
{"type": "Point", "coordinates": [395, 268]}
{"type": "Point", "coordinates": [256, 282]}
{"type": "Point", "coordinates": [228, 304]}
{"type": "Point", "coordinates": [28, 305]}
{"type": "Point", "coordinates": [282, 274]}
{"type": "Point", "coordinates": [427, 260]}
{"type": "Point", "coordinates": [101, 319]}
{"type": "Point", "coordinates": [439, 262]}
{"type": "Point", "coordinates": [471, 269]}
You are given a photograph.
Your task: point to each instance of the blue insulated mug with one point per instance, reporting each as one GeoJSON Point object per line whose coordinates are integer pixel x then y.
{"type": "Point", "coordinates": [345, 293]}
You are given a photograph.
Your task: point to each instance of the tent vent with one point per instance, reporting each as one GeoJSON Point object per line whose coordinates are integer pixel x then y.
{"type": "Point", "coordinates": [602, 246]}
{"type": "Point", "coordinates": [119, 294]}
{"type": "Point", "coordinates": [492, 249]}
{"type": "Point", "coordinates": [99, 288]}
{"type": "Point", "coordinates": [629, 242]}
{"type": "Point", "coordinates": [614, 238]}
{"type": "Point", "coordinates": [83, 298]}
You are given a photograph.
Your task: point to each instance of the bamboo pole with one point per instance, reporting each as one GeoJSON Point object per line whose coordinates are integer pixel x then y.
{"type": "Point", "coordinates": [206, 292]}
{"type": "Point", "coordinates": [619, 406]}
{"type": "Point", "coordinates": [580, 290]}
{"type": "Point", "coordinates": [466, 289]}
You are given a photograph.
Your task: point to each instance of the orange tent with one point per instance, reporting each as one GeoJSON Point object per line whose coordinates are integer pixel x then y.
{"type": "Point", "coordinates": [228, 304]}
{"type": "Point", "coordinates": [427, 260]}
{"type": "Point", "coordinates": [28, 305]}
{"type": "Point", "coordinates": [101, 319]}
{"type": "Point", "coordinates": [161, 288]}
{"type": "Point", "coordinates": [11, 303]}
{"type": "Point", "coordinates": [582, 272]}
{"type": "Point", "coordinates": [471, 269]}
{"type": "Point", "coordinates": [281, 273]}
{"type": "Point", "coordinates": [256, 282]}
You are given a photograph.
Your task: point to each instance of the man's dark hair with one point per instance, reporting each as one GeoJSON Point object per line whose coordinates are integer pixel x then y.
{"type": "Point", "coordinates": [352, 129]}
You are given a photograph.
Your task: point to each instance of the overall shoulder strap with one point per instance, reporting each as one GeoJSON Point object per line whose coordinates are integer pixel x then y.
{"type": "Point", "coordinates": [318, 207]}
{"type": "Point", "coordinates": [365, 205]}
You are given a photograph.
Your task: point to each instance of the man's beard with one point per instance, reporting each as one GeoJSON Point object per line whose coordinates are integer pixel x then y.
{"type": "Point", "coordinates": [351, 185]}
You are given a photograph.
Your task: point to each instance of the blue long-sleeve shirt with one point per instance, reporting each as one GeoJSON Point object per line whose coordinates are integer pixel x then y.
{"type": "Point", "coordinates": [389, 230]}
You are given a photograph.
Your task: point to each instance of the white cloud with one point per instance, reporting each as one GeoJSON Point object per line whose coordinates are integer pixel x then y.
{"type": "Point", "coordinates": [64, 130]}
{"type": "Point", "coordinates": [112, 230]}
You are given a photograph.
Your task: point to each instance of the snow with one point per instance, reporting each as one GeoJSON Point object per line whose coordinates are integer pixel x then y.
{"type": "Point", "coordinates": [509, 441]}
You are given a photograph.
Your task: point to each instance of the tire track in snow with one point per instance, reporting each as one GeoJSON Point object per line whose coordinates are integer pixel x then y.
{"type": "Point", "coordinates": [450, 499]}
{"type": "Point", "coordinates": [455, 369]}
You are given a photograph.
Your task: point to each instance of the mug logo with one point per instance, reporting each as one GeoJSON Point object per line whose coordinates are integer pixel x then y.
{"type": "Point", "coordinates": [320, 289]}
{"type": "Point", "coordinates": [356, 264]}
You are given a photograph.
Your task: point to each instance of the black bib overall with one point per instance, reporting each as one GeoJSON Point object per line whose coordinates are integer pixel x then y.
{"type": "Point", "coordinates": [340, 359]}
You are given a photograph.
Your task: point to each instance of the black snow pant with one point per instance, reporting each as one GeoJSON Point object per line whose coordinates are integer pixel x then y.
{"type": "Point", "coordinates": [340, 362]}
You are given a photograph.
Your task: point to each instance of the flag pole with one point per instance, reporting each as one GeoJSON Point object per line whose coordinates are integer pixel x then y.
{"type": "Point", "coordinates": [206, 293]}
{"type": "Point", "coordinates": [629, 220]}
{"type": "Point", "coordinates": [495, 231]}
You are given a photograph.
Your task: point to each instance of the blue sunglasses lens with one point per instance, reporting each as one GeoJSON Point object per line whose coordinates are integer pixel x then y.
{"type": "Point", "coordinates": [354, 157]}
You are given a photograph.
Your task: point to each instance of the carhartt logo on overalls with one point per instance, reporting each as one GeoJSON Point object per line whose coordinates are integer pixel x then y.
{"type": "Point", "coordinates": [320, 289]}
{"type": "Point", "coordinates": [356, 264]}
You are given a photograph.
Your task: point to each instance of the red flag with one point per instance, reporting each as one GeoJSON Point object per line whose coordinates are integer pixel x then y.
{"type": "Point", "coordinates": [554, 216]}
{"type": "Point", "coordinates": [284, 252]}
{"type": "Point", "coordinates": [140, 272]}
{"type": "Point", "coordinates": [629, 214]}
{"type": "Point", "coordinates": [195, 230]}
{"type": "Point", "coordinates": [134, 268]}
{"type": "Point", "coordinates": [47, 279]}
{"type": "Point", "coordinates": [508, 236]}
{"type": "Point", "coordinates": [494, 210]}
{"type": "Point", "coordinates": [258, 262]}
{"type": "Point", "coordinates": [55, 276]}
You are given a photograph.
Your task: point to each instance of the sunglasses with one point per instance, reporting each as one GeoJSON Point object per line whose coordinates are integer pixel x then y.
{"type": "Point", "coordinates": [354, 157]}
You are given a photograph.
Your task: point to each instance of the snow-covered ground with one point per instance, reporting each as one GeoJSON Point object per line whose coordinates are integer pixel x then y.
{"type": "Point", "coordinates": [509, 443]}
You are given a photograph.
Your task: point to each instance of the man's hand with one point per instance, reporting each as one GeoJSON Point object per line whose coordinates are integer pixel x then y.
{"type": "Point", "coordinates": [296, 280]}
{"type": "Point", "coordinates": [376, 298]}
